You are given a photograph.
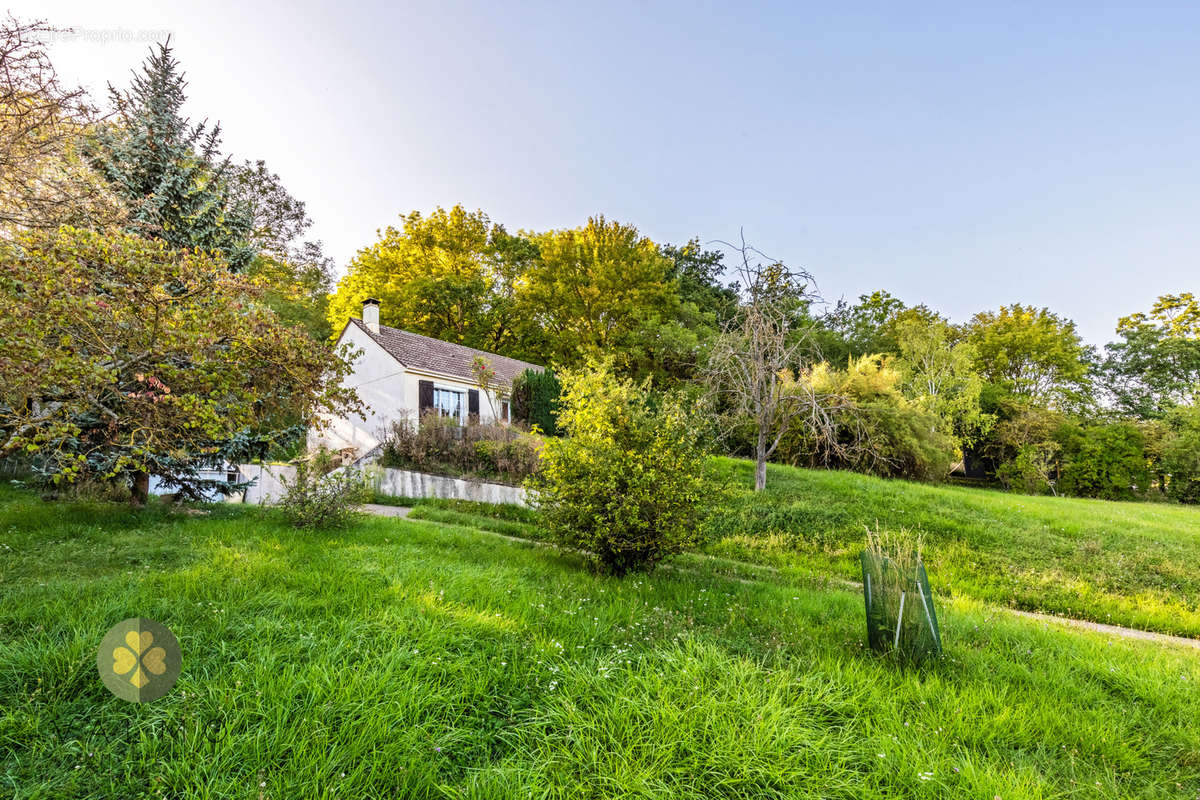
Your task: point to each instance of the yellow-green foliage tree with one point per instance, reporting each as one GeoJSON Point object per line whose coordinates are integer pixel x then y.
{"type": "Point", "coordinates": [1031, 353]}
{"type": "Point", "coordinates": [871, 426]}
{"type": "Point", "coordinates": [604, 289]}
{"type": "Point", "coordinates": [552, 298]}
{"type": "Point", "coordinates": [121, 354]}
{"type": "Point", "coordinates": [937, 372]}
{"type": "Point", "coordinates": [450, 275]}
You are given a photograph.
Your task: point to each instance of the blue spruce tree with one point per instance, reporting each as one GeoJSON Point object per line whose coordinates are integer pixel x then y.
{"type": "Point", "coordinates": [169, 172]}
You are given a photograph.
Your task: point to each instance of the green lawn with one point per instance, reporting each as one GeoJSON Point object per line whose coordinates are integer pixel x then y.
{"type": "Point", "coordinates": [1131, 564]}
{"type": "Point", "coordinates": [418, 659]}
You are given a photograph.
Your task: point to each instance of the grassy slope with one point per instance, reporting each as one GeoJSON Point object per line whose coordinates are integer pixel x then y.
{"type": "Point", "coordinates": [415, 660]}
{"type": "Point", "coordinates": [1132, 564]}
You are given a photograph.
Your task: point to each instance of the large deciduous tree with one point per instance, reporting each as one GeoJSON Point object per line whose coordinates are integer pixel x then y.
{"type": "Point", "coordinates": [450, 275]}
{"type": "Point", "coordinates": [295, 272]}
{"type": "Point", "coordinates": [938, 373]}
{"type": "Point", "coordinates": [849, 331]}
{"type": "Point", "coordinates": [1031, 353]}
{"type": "Point", "coordinates": [699, 276]}
{"type": "Point", "coordinates": [123, 356]}
{"type": "Point", "coordinates": [1180, 462]}
{"type": "Point", "coordinates": [603, 290]}
{"type": "Point", "coordinates": [1156, 365]}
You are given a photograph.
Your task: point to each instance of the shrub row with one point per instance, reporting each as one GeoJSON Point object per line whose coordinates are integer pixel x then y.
{"type": "Point", "coordinates": [501, 453]}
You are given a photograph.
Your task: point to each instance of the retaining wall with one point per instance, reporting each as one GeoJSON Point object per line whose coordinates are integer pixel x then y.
{"type": "Point", "coordinates": [269, 489]}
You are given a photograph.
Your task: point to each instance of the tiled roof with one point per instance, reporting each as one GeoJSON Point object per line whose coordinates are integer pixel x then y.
{"type": "Point", "coordinates": [422, 352]}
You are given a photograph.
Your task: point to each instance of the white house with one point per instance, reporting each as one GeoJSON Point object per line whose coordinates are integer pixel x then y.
{"type": "Point", "coordinates": [400, 374]}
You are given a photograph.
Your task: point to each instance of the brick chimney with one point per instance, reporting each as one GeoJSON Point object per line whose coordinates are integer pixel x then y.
{"type": "Point", "coordinates": [370, 314]}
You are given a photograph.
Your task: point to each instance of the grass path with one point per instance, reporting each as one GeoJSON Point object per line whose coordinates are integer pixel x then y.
{"type": "Point", "coordinates": [1132, 565]}
{"type": "Point", "coordinates": [1113, 630]}
{"type": "Point", "coordinates": [1097, 627]}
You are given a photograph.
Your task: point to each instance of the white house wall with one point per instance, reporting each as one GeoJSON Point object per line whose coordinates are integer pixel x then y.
{"type": "Point", "coordinates": [389, 391]}
{"type": "Point", "coordinates": [380, 383]}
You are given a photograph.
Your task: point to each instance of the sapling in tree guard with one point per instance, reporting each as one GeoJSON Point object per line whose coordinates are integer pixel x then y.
{"type": "Point", "coordinates": [901, 619]}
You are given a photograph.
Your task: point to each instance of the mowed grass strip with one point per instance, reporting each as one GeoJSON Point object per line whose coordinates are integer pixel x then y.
{"type": "Point", "coordinates": [409, 659]}
{"type": "Point", "coordinates": [1130, 564]}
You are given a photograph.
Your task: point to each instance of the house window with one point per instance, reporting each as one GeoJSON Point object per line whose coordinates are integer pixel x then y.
{"type": "Point", "coordinates": [504, 409]}
{"type": "Point", "coordinates": [449, 403]}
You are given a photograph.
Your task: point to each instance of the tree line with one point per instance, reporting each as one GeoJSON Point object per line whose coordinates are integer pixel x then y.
{"type": "Point", "coordinates": [553, 297]}
{"type": "Point", "coordinates": [877, 385]}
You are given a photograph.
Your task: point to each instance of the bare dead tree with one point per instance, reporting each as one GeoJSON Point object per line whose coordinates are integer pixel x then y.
{"type": "Point", "coordinates": [43, 180]}
{"type": "Point", "coordinates": [753, 362]}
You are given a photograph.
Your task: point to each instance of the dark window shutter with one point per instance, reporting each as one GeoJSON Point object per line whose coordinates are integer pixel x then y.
{"type": "Point", "coordinates": [424, 396]}
{"type": "Point", "coordinates": [473, 403]}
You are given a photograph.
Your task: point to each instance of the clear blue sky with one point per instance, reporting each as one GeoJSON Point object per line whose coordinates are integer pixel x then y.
{"type": "Point", "coordinates": [962, 155]}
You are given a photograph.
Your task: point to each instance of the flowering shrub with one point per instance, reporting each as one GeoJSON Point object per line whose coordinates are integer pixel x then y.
{"type": "Point", "coordinates": [438, 445]}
